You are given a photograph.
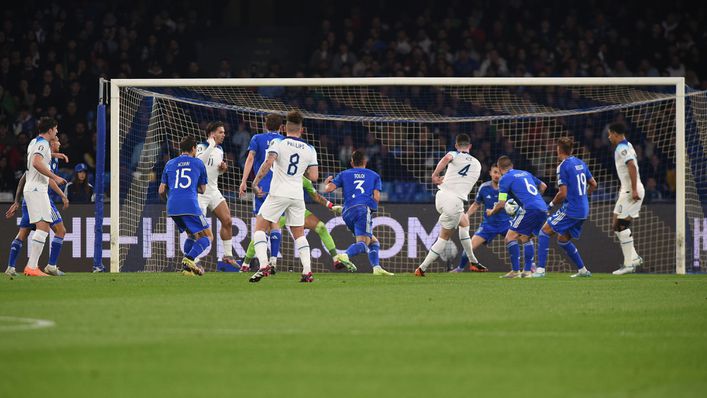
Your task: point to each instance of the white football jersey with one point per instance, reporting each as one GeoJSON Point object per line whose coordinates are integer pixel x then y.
{"type": "Point", "coordinates": [294, 155]}
{"type": "Point", "coordinates": [462, 174]}
{"type": "Point", "coordinates": [36, 181]}
{"type": "Point", "coordinates": [212, 156]}
{"type": "Point", "coordinates": [623, 153]}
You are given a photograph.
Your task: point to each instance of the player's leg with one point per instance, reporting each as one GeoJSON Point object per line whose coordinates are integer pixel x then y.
{"type": "Point", "coordinates": [59, 232]}
{"type": "Point", "coordinates": [275, 243]}
{"type": "Point", "coordinates": [625, 211]}
{"type": "Point", "coordinates": [543, 249]}
{"type": "Point", "coordinates": [450, 211]}
{"type": "Point", "coordinates": [433, 254]}
{"type": "Point", "coordinates": [15, 248]}
{"type": "Point", "coordinates": [40, 215]}
{"type": "Point", "coordinates": [223, 213]}
{"type": "Point", "coordinates": [270, 212]}
{"type": "Point", "coordinates": [295, 220]}
{"type": "Point", "coordinates": [513, 247]}
{"type": "Point", "coordinates": [465, 240]}
{"type": "Point", "coordinates": [311, 222]}
{"type": "Point", "coordinates": [476, 241]}
{"type": "Point", "coordinates": [564, 240]}
{"type": "Point", "coordinates": [526, 242]}
{"type": "Point", "coordinates": [374, 258]}
{"type": "Point", "coordinates": [250, 251]}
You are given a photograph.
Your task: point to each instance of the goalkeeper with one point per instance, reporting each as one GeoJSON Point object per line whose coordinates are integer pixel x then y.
{"type": "Point", "coordinates": [311, 222]}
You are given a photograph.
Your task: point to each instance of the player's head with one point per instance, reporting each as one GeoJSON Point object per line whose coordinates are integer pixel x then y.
{"type": "Point", "coordinates": [504, 164]}
{"type": "Point", "coordinates": [358, 159]}
{"type": "Point", "coordinates": [463, 143]}
{"type": "Point", "coordinates": [54, 144]}
{"type": "Point", "coordinates": [47, 126]}
{"type": "Point", "coordinates": [217, 131]}
{"type": "Point", "coordinates": [273, 122]}
{"type": "Point", "coordinates": [565, 145]}
{"type": "Point", "coordinates": [293, 126]}
{"type": "Point", "coordinates": [188, 145]}
{"type": "Point", "coordinates": [495, 173]}
{"type": "Point", "coordinates": [617, 132]}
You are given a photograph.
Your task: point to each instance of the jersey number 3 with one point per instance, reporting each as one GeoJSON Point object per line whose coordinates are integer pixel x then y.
{"type": "Point", "coordinates": [292, 167]}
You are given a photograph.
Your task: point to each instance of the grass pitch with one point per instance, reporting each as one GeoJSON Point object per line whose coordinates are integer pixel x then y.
{"type": "Point", "coordinates": [165, 335]}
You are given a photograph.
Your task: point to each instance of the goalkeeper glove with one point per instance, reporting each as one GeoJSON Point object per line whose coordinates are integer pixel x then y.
{"type": "Point", "coordinates": [337, 210]}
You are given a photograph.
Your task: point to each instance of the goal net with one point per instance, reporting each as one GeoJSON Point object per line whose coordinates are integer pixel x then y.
{"type": "Point", "coordinates": [405, 129]}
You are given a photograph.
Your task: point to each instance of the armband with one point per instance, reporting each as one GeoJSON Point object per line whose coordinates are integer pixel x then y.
{"type": "Point", "coordinates": [502, 196]}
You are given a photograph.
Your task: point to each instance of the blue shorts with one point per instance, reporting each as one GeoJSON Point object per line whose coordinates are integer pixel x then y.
{"type": "Point", "coordinates": [489, 233]}
{"type": "Point", "coordinates": [358, 220]}
{"type": "Point", "coordinates": [24, 222]}
{"type": "Point", "coordinates": [190, 223]}
{"type": "Point", "coordinates": [560, 223]}
{"type": "Point", "coordinates": [257, 202]}
{"type": "Point", "coordinates": [528, 222]}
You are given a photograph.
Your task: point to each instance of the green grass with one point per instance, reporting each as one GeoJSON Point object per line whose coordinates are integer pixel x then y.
{"type": "Point", "coordinates": [164, 335]}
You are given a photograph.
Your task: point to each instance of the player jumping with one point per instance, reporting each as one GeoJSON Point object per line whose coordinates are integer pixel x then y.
{"type": "Point", "coordinates": [530, 217]}
{"type": "Point", "coordinates": [212, 200]}
{"type": "Point", "coordinates": [630, 197]}
{"type": "Point", "coordinates": [361, 190]}
{"type": "Point", "coordinates": [290, 158]}
{"type": "Point", "coordinates": [182, 179]}
{"type": "Point", "coordinates": [575, 185]}
{"type": "Point", "coordinates": [463, 170]}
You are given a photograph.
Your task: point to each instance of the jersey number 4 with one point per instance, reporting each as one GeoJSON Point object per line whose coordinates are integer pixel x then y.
{"type": "Point", "coordinates": [292, 167]}
{"type": "Point", "coordinates": [463, 172]}
{"type": "Point", "coordinates": [182, 175]}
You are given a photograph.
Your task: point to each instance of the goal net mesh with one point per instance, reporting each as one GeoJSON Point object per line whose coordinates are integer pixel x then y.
{"type": "Point", "coordinates": [405, 130]}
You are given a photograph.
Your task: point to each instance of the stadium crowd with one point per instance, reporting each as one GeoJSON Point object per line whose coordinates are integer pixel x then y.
{"type": "Point", "coordinates": [52, 55]}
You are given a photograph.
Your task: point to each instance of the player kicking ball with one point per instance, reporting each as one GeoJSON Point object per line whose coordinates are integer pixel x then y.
{"type": "Point", "coordinates": [290, 158]}
{"type": "Point", "coordinates": [490, 227]}
{"type": "Point", "coordinates": [212, 200]}
{"type": "Point", "coordinates": [183, 178]}
{"type": "Point", "coordinates": [463, 170]}
{"type": "Point", "coordinates": [630, 199]}
{"type": "Point", "coordinates": [57, 224]}
{"type": "Point", "coordinates": [575, 185]}
{"type": "Point", "coordinates": [530, 217]}
{"type": "Point", "coordinates": [361, 190]}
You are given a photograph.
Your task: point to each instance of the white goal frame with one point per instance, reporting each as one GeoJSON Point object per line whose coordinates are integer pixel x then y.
{"type": "Point", "coordinates": [677, 82]}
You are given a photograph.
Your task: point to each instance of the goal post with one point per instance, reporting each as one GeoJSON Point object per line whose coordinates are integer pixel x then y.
{"type": "Point", "coordinates": [227, 95]}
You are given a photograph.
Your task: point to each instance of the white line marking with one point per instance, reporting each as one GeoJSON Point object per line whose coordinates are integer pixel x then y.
{"type": "Point", "coordinates": [17, 323]}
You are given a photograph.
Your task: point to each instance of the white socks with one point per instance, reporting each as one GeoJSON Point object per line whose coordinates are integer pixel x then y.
{"type": "Point", "coordinates": [303, 248]}
{"type": "Point", "coordinates": [433, 254]}
{"type": "Point", "coordinates": [260, 241]}
{"type": "Point", "coordinates": [35, 247]}
{"type": "Point", "coordinates": [465, 240]}
{"type": "Point", "coordinates": [227, 247]}
{"type": "Point", "coordinates": [627, 248]}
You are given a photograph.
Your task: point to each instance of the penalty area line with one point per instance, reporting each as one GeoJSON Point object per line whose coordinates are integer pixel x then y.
{"type": "Point", "coordinates": [13, 323]}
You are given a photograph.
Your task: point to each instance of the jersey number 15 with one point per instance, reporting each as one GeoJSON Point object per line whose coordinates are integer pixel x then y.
{"type": "Point", "coordinates": [182, 175]}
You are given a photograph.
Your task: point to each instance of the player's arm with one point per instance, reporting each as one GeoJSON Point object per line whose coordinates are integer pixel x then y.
{"type": "Point", "coordinates": [502, 198]}
{"type": "Point", "coordinates": [633, 174]}
{"type": "Point", "coordinates": [441, 165]}
{"type": "Point", "coordinates": [42, 168]}
{"type": "Point", "coordinates": [312, 173]}
{"type": "Point", "coordinates": [18, 197]}
{"type": "Point", "coordinates": [163, 191]}
{"type": "Point", "coordinates": [592, 185]}
{"type": "Point", "coordinates": [331, 184]}
{"type": "Point", "coordinates": [201, 188]}
{"type": "Point", "coordinates": [473, 208]}
{"type": "Point", "coordinates": [53, 185]}
{"type": "Point", "coordinates": [61, 156]}
{"type": "Point", "coordinates": [542, 187]}
{"type": "Point", "coordinates": [204, 155]}
{"type": "Point", "coordinates": [246, 172]}
{"type": "Point", "coordinates": [264, 168]}
{"type": "Point", "coordinates": [377, 195]}
{"type": "Point", "coordinates": [559, 196]}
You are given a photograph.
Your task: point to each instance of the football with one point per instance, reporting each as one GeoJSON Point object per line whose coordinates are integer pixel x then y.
{"type": "Point", "coordinates": [511, 207]}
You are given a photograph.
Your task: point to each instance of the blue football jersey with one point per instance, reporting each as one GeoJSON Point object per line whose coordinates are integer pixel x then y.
{"type": "Point", "coordinates": [522, 186]}
{"type": "Point", "coordinates": [488, 196]}
{"type": "Point", "coordinates": [358, 185]}
{"type": "Point", "coordinates": [575, 174]}
{"type": "Point", "coordinates": [259, 144]}
{"type": "Point", "coordinates": [183, 175]}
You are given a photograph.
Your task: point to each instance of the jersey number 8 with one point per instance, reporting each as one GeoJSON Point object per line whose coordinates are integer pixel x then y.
{"type": "Point", "coordinates": [292, 167]}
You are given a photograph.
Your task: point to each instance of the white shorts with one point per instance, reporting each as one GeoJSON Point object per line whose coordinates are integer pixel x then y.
{"type": "Point", "coordinates": [38, 207]}
{"type": "Point", "coordinates": [627, 207]}
{"type": "Point", "coordinates": [450, 209]}
{"type": "Point", "coordinates": [210, 200]}
{"type": "Point", "coordinates": [274, 207]}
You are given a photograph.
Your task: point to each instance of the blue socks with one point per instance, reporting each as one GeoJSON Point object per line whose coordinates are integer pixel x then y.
{"type": "Point", "coordinates": [55, 249]}
{"type": "Point", "coordinates": [275, 241]}
{"type": "Point", "coordinates": [198, 247]}
{"type": "Point", "coordinates": [464, 261]}
{"type": "Point", "coordinates": [15, 248]}
{"type": "Point", "coordinates": [514, 252]}
{"type": "Point", "coordinates": [188, 244]}
{"type": "Point", "coordinates": [543, 249]}
{"type": "Point", "coordinates": [572, 253]}
{"type": "Point", "coordinates": [529, 254]}
{"type": "Point", "coordinates": [373, 249]}
{"type": "Point", "coordinates": [356, 249]}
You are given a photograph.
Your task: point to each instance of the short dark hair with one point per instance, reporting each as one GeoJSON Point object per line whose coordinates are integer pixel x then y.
{"type": "Point", "coordinates": [618, 128]}
{"type": "Point", "coordinates": [45, 124]}
{"type": "Point", "coordinates": [294, 117]}
{"type": "Point", "coordinates": [357, 158]}
{"type": "Point", "coordinates": [463, 140]}
{"type": "Point", "coordinates": [213, 126]}
{"type": "Point", "coordinates": [566, 145]}
{"type": "Point", "coordinates": [273, 121]}
{"type": "Point", "coordinates": [188, 143]}
{"type": "Point", "coordinates": [504, 162]}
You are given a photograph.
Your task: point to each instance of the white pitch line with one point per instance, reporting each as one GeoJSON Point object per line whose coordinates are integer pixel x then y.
{"type": "Point", "coordinates": [23, 323]}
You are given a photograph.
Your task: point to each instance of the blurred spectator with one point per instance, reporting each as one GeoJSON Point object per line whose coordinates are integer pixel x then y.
{"type": "Point", "coordinates": [240, 140]}
{"type": "Point", "coordinates": [79, 190]}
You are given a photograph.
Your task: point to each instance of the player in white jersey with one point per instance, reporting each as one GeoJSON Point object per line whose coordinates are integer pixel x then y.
{"type": "Point", "coordinates": [36, 190]}
{"type": "Point", "coordinates": [290, 158]}
{"type": "Point", "coordinates": [630, 197]}
{"type": "Point", "coordinates": [211, 153]}
{"type": "Point", "coordinates": [463, 171]}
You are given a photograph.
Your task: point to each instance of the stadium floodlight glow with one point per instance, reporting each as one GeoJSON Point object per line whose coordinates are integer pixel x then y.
{"type": "Point", "coordinates": [146, 115]}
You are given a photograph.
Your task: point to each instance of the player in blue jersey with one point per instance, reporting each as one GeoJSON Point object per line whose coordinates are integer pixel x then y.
{"type": "Point", "coordinates": [490, 227]}
{"type": "Point", "coordinates": [183, 178]}
{"type": "Point", "coordinates": [57, 223]}
{"type": "Point", "coordinates": [257, 149]}
{"type": "Point", "coordinates": [527, 191]}
{"type": "Point", "coordinates": [575, 185]}
{"type": "Point", "coordinates": [361, 190]}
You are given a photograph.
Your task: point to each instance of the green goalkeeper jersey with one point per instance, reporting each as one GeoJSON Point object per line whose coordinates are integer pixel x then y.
{"type": "Point", "coordinates": [309, 187]}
